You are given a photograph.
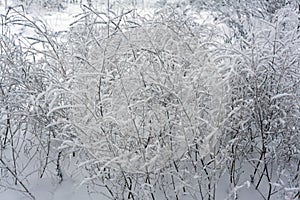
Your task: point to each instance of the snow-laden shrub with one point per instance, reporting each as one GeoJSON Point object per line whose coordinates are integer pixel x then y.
{"type": "Point", "coordinates": [263, 115]}
{"type": "Point", "coordinates": [145, 103]}
{"type": "Point", "coordinates": [27, 149]}
{"type": "Point", "coordinates": [154, 107]}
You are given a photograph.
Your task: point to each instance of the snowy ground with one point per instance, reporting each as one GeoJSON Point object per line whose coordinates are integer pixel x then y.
{"type": "Point", "coordinates": [46, 189]}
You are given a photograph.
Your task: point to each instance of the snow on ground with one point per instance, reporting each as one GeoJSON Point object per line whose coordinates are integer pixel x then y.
{"type": "Point", "coordinates": [47, 189]}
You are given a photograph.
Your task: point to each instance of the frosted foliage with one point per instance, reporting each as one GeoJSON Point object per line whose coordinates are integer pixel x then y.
{"type": "Point", "coordinates": [142, 99]}
{"type": "Point", "coordinates": [264, 110]}
{"type": "Point", "coordinates": [191, 100]}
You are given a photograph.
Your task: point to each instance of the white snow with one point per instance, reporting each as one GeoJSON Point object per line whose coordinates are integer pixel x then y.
{"type": "Point", "coordinates": [49, 189]}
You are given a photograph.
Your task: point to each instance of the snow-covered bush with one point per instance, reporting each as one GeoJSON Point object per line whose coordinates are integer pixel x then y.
{"type": "Point", "coordinates": [27, 148]}
{"type": "Point", "coordinates": [263, 124]}
{"type": "Point", "coordinates": [145, 103]}
{"type": "Point", "coordinates": [163, 106]}
{"type": "Point", "coordinates": [13, 102]}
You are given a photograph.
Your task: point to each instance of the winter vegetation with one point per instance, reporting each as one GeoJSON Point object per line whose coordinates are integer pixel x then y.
{"type": "Point", "coordinates": [152, 100]}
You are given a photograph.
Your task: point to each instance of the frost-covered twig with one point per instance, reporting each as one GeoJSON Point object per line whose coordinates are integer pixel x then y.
{"type": "Point", "coordinates": [17, 179]}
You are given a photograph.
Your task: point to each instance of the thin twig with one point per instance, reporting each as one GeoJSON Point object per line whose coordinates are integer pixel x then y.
{"type": "Point", "coordinates": [17, 178]}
